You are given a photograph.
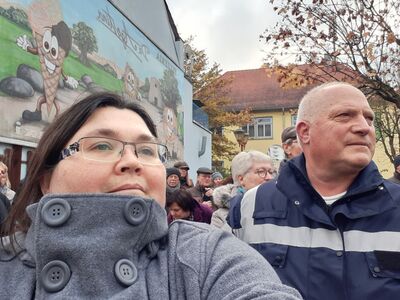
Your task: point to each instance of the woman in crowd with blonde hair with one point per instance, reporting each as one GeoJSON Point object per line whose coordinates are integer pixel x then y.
{"type": "Point", "coordinates": [5, 185]}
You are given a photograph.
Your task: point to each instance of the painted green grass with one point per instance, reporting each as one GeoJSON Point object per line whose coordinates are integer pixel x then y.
{"type": "Point", "coordinates": [11, 56]}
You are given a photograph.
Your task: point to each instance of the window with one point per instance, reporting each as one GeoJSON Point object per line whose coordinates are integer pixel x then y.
{"type": "Point", "coordinates": [294, 120]}
{"type": "Point", "coordinates": [260, 128]}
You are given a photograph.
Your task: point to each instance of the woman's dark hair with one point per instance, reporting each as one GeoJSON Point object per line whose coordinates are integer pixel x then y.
{"type": "Point", "coordinates": [54, 139]}
{"type": "Point", "coordinates": [183, 199]}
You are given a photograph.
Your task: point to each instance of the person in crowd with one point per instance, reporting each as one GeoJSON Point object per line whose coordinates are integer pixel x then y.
{"type": "Point", "coordinates": [291, 147]}
{"type": "Point", "coordinates": [184, 178]}
{"type": "Point", "coordinates": [181, 205]}
{"type": "Point", "coordinates": [396, 175]}
{"type": "Point", "coordinates": [330, 224]}
{"type": "Point", "coordinates": [4, 209]}
{"type": "Point", "coordinates": [227, 180]}
{"type": "Point", "coordinates": [5, 185]}
{"type": "Point", "coordinates": [203, 191]}
{"type": "Point", "coordinates": [249, 169]}
{"type": "Point", "coordinates": [90, 221]}
{"type": "Point", "coordinates": [173, 183]}
{"type": "Point", "coordinates": [216, 179]}
{"type": "Point", "coordinates": [222, 196]}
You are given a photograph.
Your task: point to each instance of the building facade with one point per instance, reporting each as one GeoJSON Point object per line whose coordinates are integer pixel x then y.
{"type": "Point", "coordinates": [273, 109]}
{"type": "Point", "coordinates": [54, 53]}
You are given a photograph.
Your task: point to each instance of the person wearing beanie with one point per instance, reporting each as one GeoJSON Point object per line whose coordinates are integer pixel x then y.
{"type": "Point", "coordinates": [173, 183]}
{"type": "Point", "coordinates": [396, 175]}
{"type": "Point", "coordinates": [217, 179]}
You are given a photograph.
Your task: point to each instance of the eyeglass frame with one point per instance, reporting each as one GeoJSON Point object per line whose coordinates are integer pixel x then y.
{"type": "Point", "coordinates": [74, 148]}
{"type": "Point", "coordinates": [270, 172]}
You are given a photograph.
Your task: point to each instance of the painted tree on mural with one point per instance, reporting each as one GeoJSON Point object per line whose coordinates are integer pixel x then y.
{"type": "Point", "coordinates": [85, 39]}
{"type": "Point", "coordinates": [359, 38]}
{"type": "Point", "coordinates": [169, 89]}
{"type": "Point", "coordinates": [208, 89]}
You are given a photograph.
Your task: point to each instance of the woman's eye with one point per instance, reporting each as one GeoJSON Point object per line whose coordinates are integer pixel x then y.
{"type": "Point", "coordinates": [101, 147]}
{"type": "Point", "coordinates": [147, 151]}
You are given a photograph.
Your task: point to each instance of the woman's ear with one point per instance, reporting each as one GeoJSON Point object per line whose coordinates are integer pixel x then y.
{"type": "Point", "coordinates": [240, 178]}
{"type": "Point", "coordinates": [45, 183]}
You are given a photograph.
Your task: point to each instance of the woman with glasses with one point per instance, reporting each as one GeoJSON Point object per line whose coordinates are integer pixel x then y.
{"type": "Point", "coordinates": [90, 222]}
{"type": "Point", "coordinates": [5, 185]}
{"type": "Point", "coordinates": [249, 169]}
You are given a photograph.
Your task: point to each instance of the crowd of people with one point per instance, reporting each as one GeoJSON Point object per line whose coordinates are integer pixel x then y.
{"type": "Point", "coordinates": [99, 215]}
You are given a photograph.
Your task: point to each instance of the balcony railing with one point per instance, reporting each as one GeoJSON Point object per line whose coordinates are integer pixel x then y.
{"type": "Point", "coordinates": [200, 116]}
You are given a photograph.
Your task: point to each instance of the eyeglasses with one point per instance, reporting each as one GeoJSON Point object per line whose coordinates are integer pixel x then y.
{"type": "Point", "coordinates": [104, 149]}
{"type": "Point", "coordinates": [263, 173]}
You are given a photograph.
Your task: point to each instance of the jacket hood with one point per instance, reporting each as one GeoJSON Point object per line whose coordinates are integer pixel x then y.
{"type": "Point", "coordinates": [222, 195]}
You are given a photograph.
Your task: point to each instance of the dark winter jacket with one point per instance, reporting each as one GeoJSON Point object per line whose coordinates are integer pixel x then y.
{"type": "Point", "coordinates": [349, 250]}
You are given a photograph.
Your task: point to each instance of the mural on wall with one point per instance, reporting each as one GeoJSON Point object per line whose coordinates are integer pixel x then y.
{"type": "Point", "coordinates": [54, 53]}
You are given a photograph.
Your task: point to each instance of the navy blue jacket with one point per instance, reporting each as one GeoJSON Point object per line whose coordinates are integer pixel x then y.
{"type": "Point", "coordinates": [349, 250]}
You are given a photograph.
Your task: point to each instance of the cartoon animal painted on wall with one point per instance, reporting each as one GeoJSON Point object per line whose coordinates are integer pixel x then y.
{"type": "Point", "coordinates": [131, 84]}
{"type": "Point", "coordinates": [52, 48]}
{"type": "Point", "coordinates": [170, 130]}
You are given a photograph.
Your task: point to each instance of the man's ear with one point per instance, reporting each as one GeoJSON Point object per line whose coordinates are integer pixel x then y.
{"type": "Point", "coordinates": [45, 183]}
{"type": "Point", "coordinates": [303, 132]}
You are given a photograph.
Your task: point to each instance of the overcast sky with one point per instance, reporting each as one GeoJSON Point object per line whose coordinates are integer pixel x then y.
{"type": "Point", "coordinates": [227, 29]}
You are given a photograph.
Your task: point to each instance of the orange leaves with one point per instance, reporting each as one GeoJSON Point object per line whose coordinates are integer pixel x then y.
{"type": "Point", "coordinates": [391, 38]}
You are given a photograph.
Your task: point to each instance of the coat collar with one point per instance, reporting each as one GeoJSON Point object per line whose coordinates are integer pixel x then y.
{"type": "Point", "coordinates": [98, 224]}
{"type": "Point", "coordinates": [363, 198]}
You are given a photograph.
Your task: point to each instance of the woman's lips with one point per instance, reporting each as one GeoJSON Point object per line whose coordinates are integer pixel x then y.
{"type": "Point", "coordinates": [128, 189]}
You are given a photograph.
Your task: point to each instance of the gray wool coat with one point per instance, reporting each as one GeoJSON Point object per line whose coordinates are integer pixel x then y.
{"type": "Point", "coordinates": [95, 246]}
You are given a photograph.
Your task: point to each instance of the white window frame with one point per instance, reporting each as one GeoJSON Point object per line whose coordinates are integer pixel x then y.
{"type": "Point", "coordinates": [293, 119]}
{"type": "Point", "coordinates": [252, 128]}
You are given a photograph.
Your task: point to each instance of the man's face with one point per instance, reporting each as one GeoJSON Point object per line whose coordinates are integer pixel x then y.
{"type": "Point", "coordinates": [172, 180]}
{"type": "Point", "coordinates": [204, 180]}
{"type": "Point", "coordinates": [183, 172]}
{"type": "Point", "coordinates": [292, 148]}
{"type": "Point", "coordinates": [341, 138]}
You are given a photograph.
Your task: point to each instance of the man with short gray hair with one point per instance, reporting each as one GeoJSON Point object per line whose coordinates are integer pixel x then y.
{"type": "Point", "coordinates": [330, 224]}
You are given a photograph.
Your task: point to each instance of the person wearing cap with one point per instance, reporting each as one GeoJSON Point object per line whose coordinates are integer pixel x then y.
{"type": "Point", "coordinates": [173, 183]}
{"type": "Point", "coordinates": [184, 179]}
{"type": "Point", "coordinates": [202, 191]}
{"type": "Point", "coordinates": [216, 178]}
{"type": "Point", "coordinates": [290, 146]}
{"type": "Point", "coordinates": [396, 175]}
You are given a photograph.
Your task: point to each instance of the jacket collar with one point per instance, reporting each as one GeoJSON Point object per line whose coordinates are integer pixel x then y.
{"type": "Point", "coordinates": [363, 198]}
{"type": "Point", "coordinates": [96, 225]}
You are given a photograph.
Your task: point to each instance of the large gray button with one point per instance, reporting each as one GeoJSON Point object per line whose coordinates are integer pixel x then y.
{"type": "Point", "coordinates": [56, 212]}
{"type": "Point", "coordinates": [125, 272]}
{"type": "Point", "coordinates": [135, 211]}
{"type": "Point", "coordinates": [55, 276]}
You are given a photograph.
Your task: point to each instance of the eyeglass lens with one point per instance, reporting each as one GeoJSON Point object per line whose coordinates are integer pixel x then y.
{"type": "Point", "coordinates": [106, 149]}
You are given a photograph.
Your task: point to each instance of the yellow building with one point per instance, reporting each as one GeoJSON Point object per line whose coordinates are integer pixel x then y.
{"type": "Point", "coordinates": [273, 109]}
